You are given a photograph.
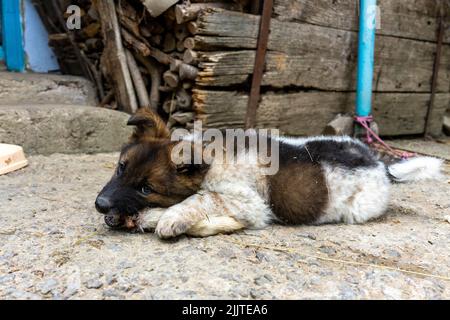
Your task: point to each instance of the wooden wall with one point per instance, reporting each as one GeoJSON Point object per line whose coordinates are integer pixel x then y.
{"type": "Point", "coordinates": [311, 65]}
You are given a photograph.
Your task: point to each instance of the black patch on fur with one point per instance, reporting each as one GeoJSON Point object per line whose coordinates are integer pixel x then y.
{"type": "Point", "coordinates": [347, 154]}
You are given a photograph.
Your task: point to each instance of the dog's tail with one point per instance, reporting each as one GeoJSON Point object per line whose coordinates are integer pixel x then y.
{"type": "Point", "coordinates": [416, 169]}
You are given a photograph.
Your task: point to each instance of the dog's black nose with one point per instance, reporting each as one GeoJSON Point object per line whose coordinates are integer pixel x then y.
{"type": "Point", "coordinates": [102, 204]}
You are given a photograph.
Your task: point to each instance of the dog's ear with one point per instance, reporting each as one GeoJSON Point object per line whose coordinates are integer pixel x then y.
{"type": "Point", "coordinates": [148, 126]}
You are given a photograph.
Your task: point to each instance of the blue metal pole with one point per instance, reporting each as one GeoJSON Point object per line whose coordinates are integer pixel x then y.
{"type": "Point", "coordinates": [12, 35]}
{"type": "Point", "coordinates": [366, 49]}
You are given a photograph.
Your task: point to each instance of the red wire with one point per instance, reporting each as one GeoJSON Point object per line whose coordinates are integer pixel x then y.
{"type": "Point", "coordinates": [371, 135]}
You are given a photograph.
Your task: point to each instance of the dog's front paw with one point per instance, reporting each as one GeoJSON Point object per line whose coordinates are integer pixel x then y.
{"type": "Point", "coordinates": [170, 226]}
{"type": "Point", "coordinates": [148, 219]}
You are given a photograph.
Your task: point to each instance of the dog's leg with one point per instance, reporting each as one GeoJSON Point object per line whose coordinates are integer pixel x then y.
{"type": "Point", "coordinates": [215, 225]}
{"type": "Point", "coordinates": [210, 226]}
{"type": "Point", "coordinates": [203, 214]}
{"type": "Point", "coordinates": [148, 219]}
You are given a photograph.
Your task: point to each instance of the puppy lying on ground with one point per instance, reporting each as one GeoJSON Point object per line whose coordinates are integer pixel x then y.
{"type": "Point", "coordinates": [319, 180]}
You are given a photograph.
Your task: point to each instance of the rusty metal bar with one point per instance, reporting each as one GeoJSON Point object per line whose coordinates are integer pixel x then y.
{"type": "Point", "coordinates": [260, 60]}
{"type": "Point", "coordinates": [437, 64]}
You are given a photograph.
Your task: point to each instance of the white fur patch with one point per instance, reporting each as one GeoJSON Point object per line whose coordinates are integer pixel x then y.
{"type": "Point", "coordinates": [416, 169]}
{"type": "Point", "coordinates": [243, 189]}
{"type": "Point", "coordinates": [356, 196]}
{"type": "Point", "coordinates": [215, 225]}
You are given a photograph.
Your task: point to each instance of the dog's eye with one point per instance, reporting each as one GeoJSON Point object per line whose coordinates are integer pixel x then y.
{"type": "Point", "coordinates": [120, 168]}
{"type": "Point", "coordinates": [146, 189]}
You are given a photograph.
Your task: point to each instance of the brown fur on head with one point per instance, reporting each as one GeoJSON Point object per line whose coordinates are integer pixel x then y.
{"type": "Point", "coordinates": [146, 175]}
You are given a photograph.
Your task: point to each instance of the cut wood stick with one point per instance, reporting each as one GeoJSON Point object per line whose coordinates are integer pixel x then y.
{"type": "Point", "coordinates": [169, 106]}
{"type": "Point", "coordinates": [145, 50]}
{"type": "Point", "coordinates": [175, 65]}
{"type": "Point", "coordinates": [192, 27]}
{"type": "Point", "coordinates": [114, 56]}
{"type": "Point", "coordinates": [189, 43]}
{"type": "Point", "coordinates": [161, 57]}
{"type": "Point", "coordinates": [183, 117]}
{"type": "Point", "coordinates": [190, 57]}
{"type": "Point", "coordinates": [135, 43]}
{"type": "Point", "coordinates": [128, 17]}
{"type": "Point", "coordinates": [155, 71]}
{"type": "Point", "coordinates": [171, 79]}
{"type": "Point", "coordinates": [138, 81]}
{"type": "Point", "coordinates": [188, 72]}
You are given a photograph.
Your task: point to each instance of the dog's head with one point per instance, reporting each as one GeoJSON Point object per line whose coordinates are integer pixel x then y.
{"type": "Point", "coordinates": [145, 175]}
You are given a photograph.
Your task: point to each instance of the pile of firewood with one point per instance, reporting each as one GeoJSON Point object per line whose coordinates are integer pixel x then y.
{"type": "Point", "coordinates": [138, 53]}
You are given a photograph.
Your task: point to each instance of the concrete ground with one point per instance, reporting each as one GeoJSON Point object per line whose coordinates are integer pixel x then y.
{"type": "Point", "coordinates": [53, 245]}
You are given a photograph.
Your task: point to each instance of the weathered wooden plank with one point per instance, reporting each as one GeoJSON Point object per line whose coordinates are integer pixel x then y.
{"type": "Point", "coordinates": [329, 62]}
{"type": "Point", "coordinates": [225, 68]}
{"type": "Point", "coordinates": [314, 56]}
{"type": "Point", "coordinates": [307, 113]}
{"type": "Point", "coordinates": [400, 18]}
{"type": "Point", "coordinates": [224, 23]}
{"type": "Point", "coordinates": [241, 29]}
{"type": "Point", "coordinates": [401, 66]}
{"type": "Point", "coordinates": [217, 43]}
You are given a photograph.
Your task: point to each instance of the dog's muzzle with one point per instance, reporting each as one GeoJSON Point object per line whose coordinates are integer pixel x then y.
{"type": "Point", "coordinates": [103, 204]}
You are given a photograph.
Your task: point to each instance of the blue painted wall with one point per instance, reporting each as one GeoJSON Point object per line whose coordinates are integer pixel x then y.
{"type": "Point", "coordinates": [12, 34]}
{"type": "Point", "coordinates": [40, 57]}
